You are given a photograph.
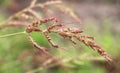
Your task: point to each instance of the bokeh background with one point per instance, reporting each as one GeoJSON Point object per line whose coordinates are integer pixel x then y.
{"type": "Point", "coordinates": [99, 18]}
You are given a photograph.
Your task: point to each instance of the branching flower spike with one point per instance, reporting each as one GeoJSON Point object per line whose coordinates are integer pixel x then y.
{"type": "Point", "coordinates": [65, 32]}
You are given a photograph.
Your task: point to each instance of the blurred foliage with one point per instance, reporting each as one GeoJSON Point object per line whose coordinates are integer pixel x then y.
{"type": "Point", "coordinates": [4, 2]}
{"type": "Point", "coordinates": [11, 48]}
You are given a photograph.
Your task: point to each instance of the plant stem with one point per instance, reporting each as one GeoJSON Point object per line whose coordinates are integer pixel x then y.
{"type": "Point", "coordinates": [12, 34]}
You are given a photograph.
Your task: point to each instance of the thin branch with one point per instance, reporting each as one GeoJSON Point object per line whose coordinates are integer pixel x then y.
{"type": "Point", "coordinates": [33, 3]}
{"type": "Point", "coordinates": [8, 35]}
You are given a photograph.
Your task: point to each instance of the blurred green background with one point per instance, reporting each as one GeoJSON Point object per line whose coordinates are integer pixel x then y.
{"type": "Point", "coordinates": [100, 18]}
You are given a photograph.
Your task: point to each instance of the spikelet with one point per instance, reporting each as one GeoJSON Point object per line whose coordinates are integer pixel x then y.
{"type": "Point", "coordinates": [67, 33]}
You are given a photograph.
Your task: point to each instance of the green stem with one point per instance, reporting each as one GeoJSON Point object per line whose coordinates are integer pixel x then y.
{"type": "Point", "coordinates": [12, 34]}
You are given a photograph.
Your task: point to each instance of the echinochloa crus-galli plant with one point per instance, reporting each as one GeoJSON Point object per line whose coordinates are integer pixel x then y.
{"type": "Point", "coordinates": [65, 32]}
{"type": "Point", "coordinates": [23, 18]}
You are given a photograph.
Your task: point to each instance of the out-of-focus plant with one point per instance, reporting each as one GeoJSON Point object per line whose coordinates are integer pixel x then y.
{"type": "Point", "coordinates": [55, 56]}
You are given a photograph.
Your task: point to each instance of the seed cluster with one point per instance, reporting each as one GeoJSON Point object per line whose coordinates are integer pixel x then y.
{"type": "Point", "coordinates": [65, 32]}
